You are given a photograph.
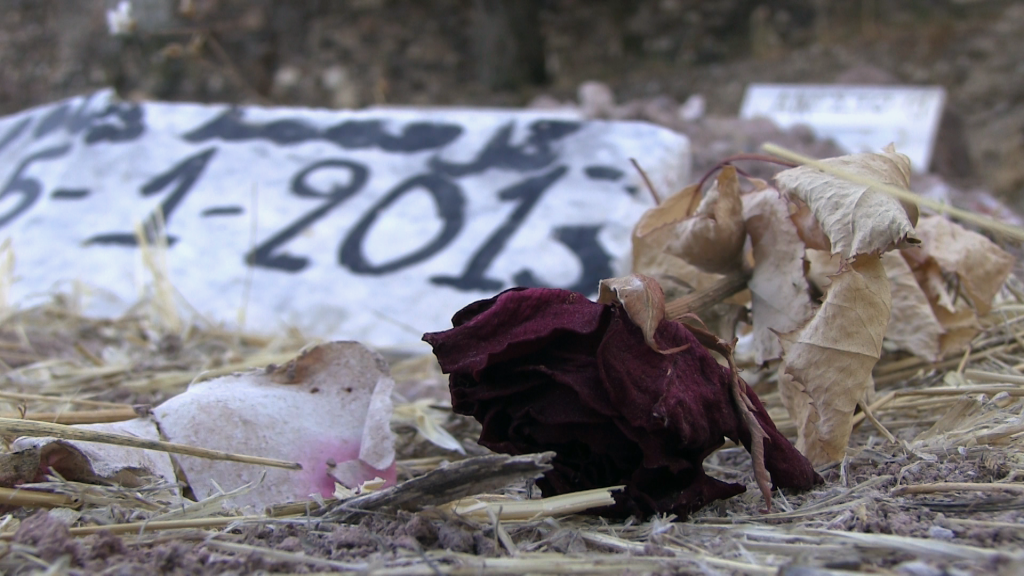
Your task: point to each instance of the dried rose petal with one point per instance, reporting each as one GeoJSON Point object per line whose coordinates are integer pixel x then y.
{"type": "Point", "coordinates": [545, 369]}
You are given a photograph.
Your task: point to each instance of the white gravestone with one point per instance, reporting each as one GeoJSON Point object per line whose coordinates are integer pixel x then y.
{"type": "Point", "coordinates": [371, 225]}
{"type": "Point", "coordinates": [858, 118]}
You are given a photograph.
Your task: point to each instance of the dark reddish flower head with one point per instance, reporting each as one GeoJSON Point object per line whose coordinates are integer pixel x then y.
{"type": "Point", "coordinates": [545, 369]}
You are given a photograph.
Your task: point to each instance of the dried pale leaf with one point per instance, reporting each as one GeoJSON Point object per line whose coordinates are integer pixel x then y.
{"type": "Point", "coordinates": [931, 280]}
{"type": "Point", "coordinates": [679, 278]}
{"type": "Point", "coordinates": [808, 228]}
{"type": "Point", "coordinates": [429, 422]}
{"type": "Point", "coordinates": [672, 210]}
{"type": "Point", "coordinates": [329, 409]}
{"type": "Point", "coordinates": [676, 276]}
{"type": "Point", "coordinates": [958, 320]}
{"type": "Point", "coordinates": [779, 297]}
{"type": "Point", "coordinates": [913, 326]}
{"type": "Point", "coordinates": [644, 302]}
{"type": "Point", "coordinates": [827, 364]}
{"type": "Point", "coordinates": [959, 328]}
{"type": "Point", "coordinates": [821, 266]}
{"type": "Point", "coordinates": [980, 264]}
{"type": "Point", "coordinates": [857, 219]}
{"type": "Point", "coordinates": [712, 239]}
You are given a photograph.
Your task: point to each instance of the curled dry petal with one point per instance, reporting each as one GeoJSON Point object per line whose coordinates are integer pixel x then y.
{"type": "Point", "coordinates": [779, 295]}
{"type": "Point", "coordinates": [672, 210]}
{"type": "Point", "coordinates": [857, 219]}
{"type": "Point", "coordinates": [807, 227]}
{"type": "Point", "coordinates": [820, 267]}
{"type": "Point", "coordinates": [642, 299]}
{"type": "Point", "coordinates": [827, 364]}
{"type": "Point", "coordinates": [913, 326]}
{"type": "Point", "coordinates": [981, 266]}
{"type": "Point", "coordinates": [677, 277]}
{"type": "Point", "coordinates": [712, 239]}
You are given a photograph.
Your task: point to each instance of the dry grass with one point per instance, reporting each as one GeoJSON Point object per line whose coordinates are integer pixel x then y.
{"type": "Point", "coordinates": [964, 414]}
{"type": "Point", "coordinates": [931, 476]}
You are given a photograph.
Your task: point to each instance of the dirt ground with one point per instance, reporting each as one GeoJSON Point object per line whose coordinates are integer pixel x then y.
{"type": "Point", "coordinates": [407, 52]}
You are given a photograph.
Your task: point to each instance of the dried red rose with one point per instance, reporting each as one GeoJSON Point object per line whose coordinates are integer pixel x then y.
{"type": "Point", "coordinates": [546, 369]}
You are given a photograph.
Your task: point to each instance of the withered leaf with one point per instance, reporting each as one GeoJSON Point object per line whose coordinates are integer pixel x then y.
{"type": "Point", "coordinates": [820, 268]}
{"type": "Point", "coordinates": [913, 326]}
{"type": "Point", "coordinates": [959, 326]}
{"type": "Point", "coordinates": [807, 227]}
{"type": "Point", "coordinates": [856, 219]}
{"type": "Point", "coordinates": [712, 239]}
{"type": "Point", "coordinates": [643, 301]}
{"type": "Point", "coordinates": [960, 273]}
{"type": "Point", "coordinates": [981, 266]}
{"type": "Point", "coordinates": [679, 278]}
{"type": "Point", "coordinates": [827, 364]}
{"type": "Point", "coordinates": [779, 296]}
{"type": "Point", "coordinates": [672, 210]}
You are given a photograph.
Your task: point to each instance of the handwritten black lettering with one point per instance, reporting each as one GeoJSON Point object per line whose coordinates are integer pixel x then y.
{"type": "Point", "coordinates": [263, 255]}
{"type": "Point", "coordinates": [29, 189]}
{"type": "Point", "coordinates": [52, 121]}
{"type": "Point", "coordinates": [222, 211]}
{"type": "Point", "coordinates": [533, 154]}
{"type": "Point", "coordinates": [119, 122]}
{"type": "Point", "coordinates": [450, 205]}
{"type": "Point", "coordinates": [596, 262]}
{"type": "Point", "coordinates": [69, 193]}
{"type": "Point", "coordinates": [527, 193]}
{"type": "Point", "coordinates": [62, 117]}
{"type": "Point", "coordinates": [184, 174]}
{"type": "Point", "coordinates": [598, 172]}
{"type": "Point", "coordinates": [14, 132]}
{"type": "Point", "coordinates": [351, 135]}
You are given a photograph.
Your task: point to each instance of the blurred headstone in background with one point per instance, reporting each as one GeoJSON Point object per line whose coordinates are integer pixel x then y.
{"type": "Point", "coordinates": [859, 118]}
{"type": "Point", "coordinates": [374, 225]}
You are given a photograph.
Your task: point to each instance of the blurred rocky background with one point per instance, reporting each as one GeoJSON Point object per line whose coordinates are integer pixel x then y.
{"type": "Point", "coordinates": [680, 63]}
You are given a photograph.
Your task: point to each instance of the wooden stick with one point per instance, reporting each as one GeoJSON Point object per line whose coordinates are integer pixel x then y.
{"type": "Point", "coordinates": [68, 400]}
{"type": "Point", "coordinates": [457, 480]}
{"type": "Point", "coordinates": [957, 487]}
{"type": "Point", "coordinates": [36, 499]}
{"type": "Point", "coordinates": [78, 416]}
{"type": "Point", "coordinates": [961, 391]}
{"type": "Point", "coordinates": [993, 377]}
{"type": "Point", "coordinates": [41, 429]}
{"type": "Point", "coordinates": [720, 290]}
{"type": "Point", "coordinates": [647, 181]}
{"type": "Point", "coordinates": [284, 556]}
{"type": "Point", "coordinates": [139, 527]}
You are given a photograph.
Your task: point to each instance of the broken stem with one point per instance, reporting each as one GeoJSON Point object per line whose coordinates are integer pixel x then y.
{"type": "Point", "coordinates": [757, 433]}
{"type": "Point", "coordinates": [702, 299]}
{"type": "Point", "coordinates": [728, 161]}
{"type": "Point", "coordinates": [36, 499]}
{"type": "Point", "coordinates": [742, 402]}
{"type": "Point", "coordinates": [647, 181]}
{"type": "Point", "coordinates": [78, 416]}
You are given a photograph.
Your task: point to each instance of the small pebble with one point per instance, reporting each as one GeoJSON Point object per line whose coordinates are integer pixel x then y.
{"type": "Point", "coordinates": [940, 533]}
{"type": "Point", "coordinates": [918, 568]}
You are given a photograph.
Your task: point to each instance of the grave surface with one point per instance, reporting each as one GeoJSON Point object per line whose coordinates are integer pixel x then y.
{"type": "Point", "coordinates": [373, 225]}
